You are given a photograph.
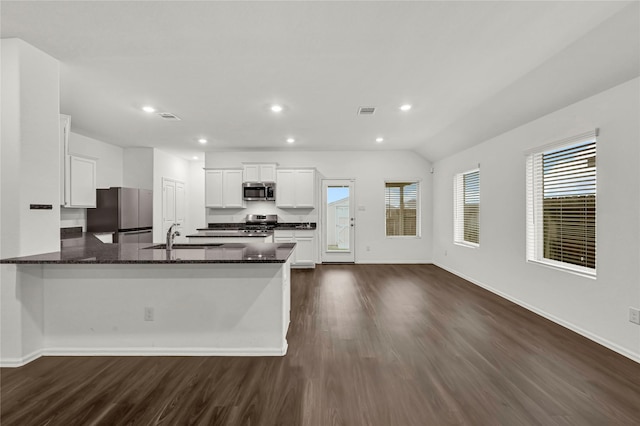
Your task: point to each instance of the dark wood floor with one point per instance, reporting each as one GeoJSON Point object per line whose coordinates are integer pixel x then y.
{"type": "Point", "coordinates": [368, 345]}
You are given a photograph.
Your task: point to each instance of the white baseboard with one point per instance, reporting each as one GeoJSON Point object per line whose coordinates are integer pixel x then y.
{"type": "Point", "coordinates": [566, 324]}
{"type": "Point", "coordinates": [153, 351]}
{"type": "Point", "coordinates": [19, 362]}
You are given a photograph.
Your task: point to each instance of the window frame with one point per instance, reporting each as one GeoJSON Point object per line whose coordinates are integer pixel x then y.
{"type": "Point", "coordinates": [535, 233]}
{"type": "Point", "coordinates": [418, 208]}
{"type": "Point", "coordinates": [458, 225]}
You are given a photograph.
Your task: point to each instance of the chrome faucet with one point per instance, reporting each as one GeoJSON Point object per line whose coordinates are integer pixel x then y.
{"type": "Point", "coordinates": [171, 235]}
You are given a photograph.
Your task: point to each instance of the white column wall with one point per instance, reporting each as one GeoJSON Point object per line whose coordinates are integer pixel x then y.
{"type": "Point", "coordinates": [29, 174]}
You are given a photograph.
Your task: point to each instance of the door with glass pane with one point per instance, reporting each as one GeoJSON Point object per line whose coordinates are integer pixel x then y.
{"type": "Point", "coordinates": [338, 230]}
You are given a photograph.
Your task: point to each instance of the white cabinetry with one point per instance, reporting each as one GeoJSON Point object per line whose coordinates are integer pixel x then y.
{"type": "Point", "coordinates": [223, 189]}
{"type": "Point", "coordinates": [304, 254]}
{"type": "Point", "coordinates": [80, 182]}
{"type": "Point", "coordinates": [259, 172]}
{"type": "Point", "coordinates": [295, 188]}
{"type": "Point", "coordinates": [77, 174]}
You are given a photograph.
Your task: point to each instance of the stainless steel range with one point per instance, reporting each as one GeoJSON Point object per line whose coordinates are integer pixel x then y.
{"type": "Point", "coordinates": [260, 223]}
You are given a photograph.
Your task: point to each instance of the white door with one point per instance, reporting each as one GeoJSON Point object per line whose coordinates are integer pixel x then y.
{"type": "Point", "coordinates": [173, 205]}
{"type": "Point", "coordinates": [338, 221]}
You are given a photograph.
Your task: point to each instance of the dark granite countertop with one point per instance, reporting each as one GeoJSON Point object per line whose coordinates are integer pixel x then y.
{"type": "Point", "coordinates": [281, 226]}
{"type": "Point", "coordinates": [133, 253]}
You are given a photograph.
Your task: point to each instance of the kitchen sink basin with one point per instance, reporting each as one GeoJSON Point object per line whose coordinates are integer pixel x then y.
{"type": "Point", "coordinates": [183, 246]}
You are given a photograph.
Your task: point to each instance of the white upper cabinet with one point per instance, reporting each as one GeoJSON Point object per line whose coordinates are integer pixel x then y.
{"type": "Point", "coordinates": [81, 182]}
{"type": "Point", "coordinates": [77, 174]}
{"type": "Point", "coordinates": [259, 172]}
{"type": "Point", "coordinates": [305, 184]}
{"type": "Point", "coordinates": [295, 188]}
{"type": "Point", "coordinates": [223, 189]}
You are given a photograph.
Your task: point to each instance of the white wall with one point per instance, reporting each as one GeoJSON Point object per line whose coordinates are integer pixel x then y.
{"type": "Point", "coordinates": [370, 169]}
{"type": "Point", "coordinates": [138, 168]}
{"type": "Point", "coordinates": [168, 166]}
{"type": "Point", "coordinates": [595, 308]}
{"type": "Point", "coordinates": [29, 174]}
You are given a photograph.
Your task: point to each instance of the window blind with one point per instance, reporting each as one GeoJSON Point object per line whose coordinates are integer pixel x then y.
{"type": "Point", "coordinates": [561, 204]}
{"type": "Point", "coordinates": [467, 207]}
{"type": "Point", "coordinates": [401, 206]}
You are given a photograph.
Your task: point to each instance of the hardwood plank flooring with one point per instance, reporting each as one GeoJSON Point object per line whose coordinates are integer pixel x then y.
{"type": "Point", "coordinates": [368, 345]}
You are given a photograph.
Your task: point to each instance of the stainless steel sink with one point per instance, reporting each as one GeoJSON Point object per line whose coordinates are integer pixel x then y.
{"type": "Point", "coordinates": [183, 246]}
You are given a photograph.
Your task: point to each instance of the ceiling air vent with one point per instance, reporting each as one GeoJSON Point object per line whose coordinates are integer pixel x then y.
{"type": "Point", "coordinates": [169, 116]}
{"type": "Point", "coordinates": [366, 110]}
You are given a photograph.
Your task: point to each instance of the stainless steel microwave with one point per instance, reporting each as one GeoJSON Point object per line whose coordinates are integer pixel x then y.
{"type": "Point", "coordinates": [259, 191]}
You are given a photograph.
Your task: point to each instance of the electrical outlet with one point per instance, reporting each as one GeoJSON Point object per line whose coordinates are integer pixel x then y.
{"type": "Point", "coordinates": [445, 252]}
{"type": "Point", "coordinates": [148, 313]}
{"type": "Point", "coordinates": [634, 315]}
{"type": "Point", "coordinates": [368, 248]}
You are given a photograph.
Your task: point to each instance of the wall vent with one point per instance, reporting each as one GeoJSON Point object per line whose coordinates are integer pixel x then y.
{"type": "Point", "coordinates": [169, 116]}
{"type": "Point", "coordinates": [366, 110]}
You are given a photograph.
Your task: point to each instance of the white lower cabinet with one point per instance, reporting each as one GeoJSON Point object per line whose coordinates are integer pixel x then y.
{"type": "Point", "coordinates": [304, 254]}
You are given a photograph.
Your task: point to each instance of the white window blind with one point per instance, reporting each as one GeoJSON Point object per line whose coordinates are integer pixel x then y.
{"type": "Point", "coordinates": [561, 205]}
{"type": "Point", "coordinates": [466, 209]}
{"type": "Point", "coordinates": [401, 206]}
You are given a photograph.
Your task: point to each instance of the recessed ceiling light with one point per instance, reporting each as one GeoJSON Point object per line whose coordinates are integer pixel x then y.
{"type": "Point", "coordinates": [195, 157]}
{"type": "Point", "coordinates": [405, 107]}
{"type": "Point", "coordinates": [148, 109]}
{"type": "Point", "coordinates": [290, 140]}
{"type": "Point", "coordinates": [276, 108]}
{"type": "Point", "coordinates": [202, 140]}
{"type": "Point", "coordinates": [379, 140]}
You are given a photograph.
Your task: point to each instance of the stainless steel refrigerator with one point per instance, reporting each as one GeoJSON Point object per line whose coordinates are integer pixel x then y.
{"type": "Point", "coordinates": [126, 212]}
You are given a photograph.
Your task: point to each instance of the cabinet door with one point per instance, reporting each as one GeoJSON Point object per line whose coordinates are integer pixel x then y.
{"type": "Point", "coordinates": [305, 253]}
{"type": "Point", "coordinates": [232, 189]}
{"type": "Point", "coordinates": [285, 188]}
{"type": "Point", "coordinates": [65, 124]}
{"type": "Point", "coordinates": [267, 172]}
{"type": "Point", "coordinates": [305, 188]}
{"type": "Point", "coordinates": [252, 173]}
{"type": "Point", "coordinates": [213, 188]}
{"type": "Point", "coordinates": [82, 182]}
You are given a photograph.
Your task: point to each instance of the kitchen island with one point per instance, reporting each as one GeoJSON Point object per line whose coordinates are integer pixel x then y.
{"type": "Point", "coordinates": [130, 299]}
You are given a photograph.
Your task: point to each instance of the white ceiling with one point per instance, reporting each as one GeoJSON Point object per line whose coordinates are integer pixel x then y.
{"type": "Point", "coordinates": [219, 65]}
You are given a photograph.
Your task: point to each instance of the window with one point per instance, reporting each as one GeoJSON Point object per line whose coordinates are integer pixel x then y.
{"type": "Point", "coordinates": [401, 206]}
{"type": "Point", "coordinates": [466, 196]}
{"type": "Point", "coordinates": [561, 205]}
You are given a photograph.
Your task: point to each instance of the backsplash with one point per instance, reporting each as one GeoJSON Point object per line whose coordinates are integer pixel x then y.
{"type": "Point", "coordinates": [261, 207]}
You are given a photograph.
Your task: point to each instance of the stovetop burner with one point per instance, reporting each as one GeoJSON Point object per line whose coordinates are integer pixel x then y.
{"type": "Point", "coordinates": [261, 223]}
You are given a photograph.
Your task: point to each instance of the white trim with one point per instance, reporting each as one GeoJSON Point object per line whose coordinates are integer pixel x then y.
{"type": "Point", "coordinates": [566, 324]}
{"type": "Point", "coordinates": [467, 244]}
{"type": "Point", "coordinates": [19, 362]}
{"type": "Point", "coordinates": [157, 351]}
{"type": "Point", "coordinates": [143, 351]}
{"type": "Point", "coordinates": [582, 137]}
{"type": "Point", "coordinates": [566, 267]}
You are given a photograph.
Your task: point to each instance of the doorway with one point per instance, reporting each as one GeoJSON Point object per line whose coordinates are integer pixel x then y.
{"type": "Point", "coordinates": [338, 220]}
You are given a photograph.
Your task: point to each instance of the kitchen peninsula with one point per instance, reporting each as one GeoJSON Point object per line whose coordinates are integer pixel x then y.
{"type": "Point", "coordinates": [138, 299]}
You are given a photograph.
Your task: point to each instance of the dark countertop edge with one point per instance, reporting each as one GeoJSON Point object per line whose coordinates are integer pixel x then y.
{"type": "Point", "coordinates": [247, 234]}
{"type": "Point", "coordinates": [136, 262]}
